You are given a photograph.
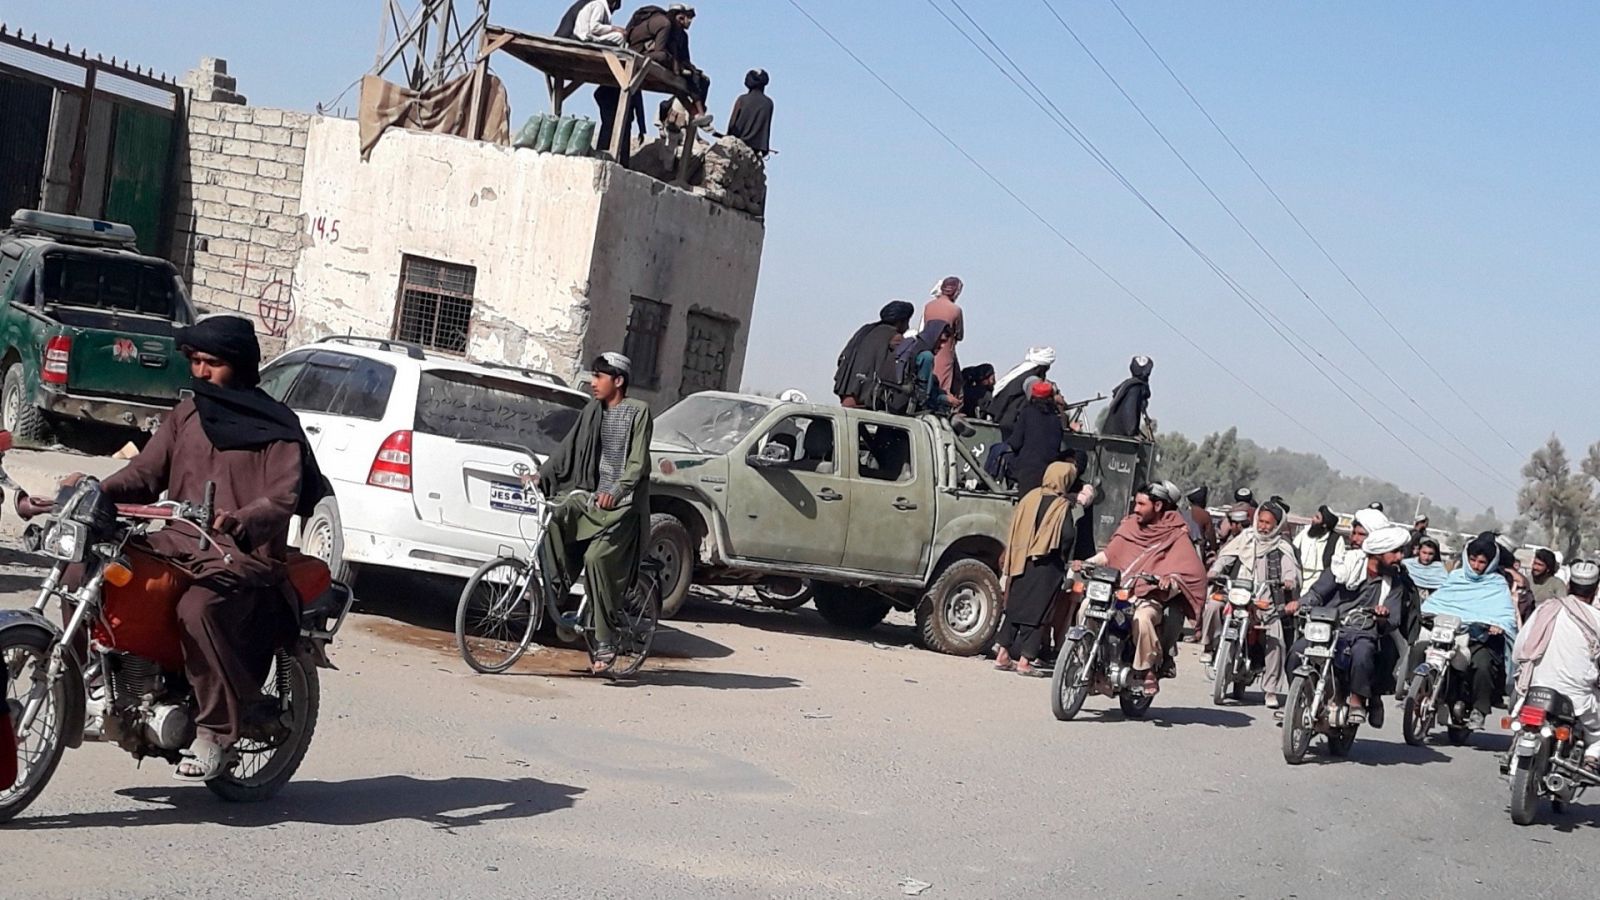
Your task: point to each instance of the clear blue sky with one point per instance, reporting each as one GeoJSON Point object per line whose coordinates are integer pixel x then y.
{"type": "Point", "coordinates": [1443, 152]}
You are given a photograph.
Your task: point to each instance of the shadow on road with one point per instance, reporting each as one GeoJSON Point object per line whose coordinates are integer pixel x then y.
{"type": "Point", "coordinates": [11, 556]}
{"type": "Point", "coordinates": [717, 681]}
{"type": "Point", "coordinates": [1373, 752]}
{"type": "Point", "coordinates": [446, 804]}
{"type": "Point", "coordinates": [1168, 716]}
{"type": "Point", "coordinates": [804, 621]}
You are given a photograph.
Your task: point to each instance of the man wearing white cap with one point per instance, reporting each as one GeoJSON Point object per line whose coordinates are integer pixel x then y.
{"type": "Point", "coordinates": [607, 454]}
{"type": "Point", "coordinates": [1558, 649]}
{"type": "Point", "coordinates": [1372, 656]}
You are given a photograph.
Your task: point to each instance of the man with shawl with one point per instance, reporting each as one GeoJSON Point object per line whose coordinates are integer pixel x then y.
{"type": "Point", "coordinates": [237, 608]}
{"type": "Point", "coordinates": [977, 389]}
{"type": "Point", "coordinates": [943, 308]}
{"type": "Point", "coordinates": [1035, 442]}
{"type": "Point", "coordinates": [1351, 571]}
{"type": "Point", "coordinates": [1131, 401]}
{"type": "Point", "coordinates": [1035, 566]}
{"type": "Point", "coordinates": [1367, 613]}
{"type": "Point", "coordinates": [1547, 585]}
{"type": "Point", "coordinates": [866, 358]}
{"type": "Point", "coordinates": [1264, 556]}
{"type": "Point", "coordinates": [1319, 547]}
{"type": "Point", "coordinates": [1011, 389]}
{"type": "Point", "coordinates": [1426, 570]}
{"type": "Point", "coordinates": [1559, 649]}
{"type": "Point", "coordinates": [1154, 541]}
{"type": "Point", "coordinates": [1478, 594]}
{"type": "Point", "coordinates": [751, 121]}
{"type": "Point", "coordinates": [606, 454]}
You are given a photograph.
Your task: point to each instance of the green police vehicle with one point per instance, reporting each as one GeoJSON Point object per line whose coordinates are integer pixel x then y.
{"type": "Point", "coordinates": [87, 327]}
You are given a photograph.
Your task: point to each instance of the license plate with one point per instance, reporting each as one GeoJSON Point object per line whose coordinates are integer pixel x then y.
{"type": "Point", "coordinates": [509, 498]}
{"type": "Point", "coordinates": [1097, 613]}
{"type": "Point", "coordinates": [1319, 650]}
{"type": "Point", "coordinates": [1443, 636]}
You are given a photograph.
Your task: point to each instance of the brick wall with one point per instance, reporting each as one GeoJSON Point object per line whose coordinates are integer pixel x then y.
{"type": "Point", "coordinates": [239, 228]}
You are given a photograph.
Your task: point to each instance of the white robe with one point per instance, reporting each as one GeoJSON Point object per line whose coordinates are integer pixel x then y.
{"type": "Point", "coordinates": [1567, 667]}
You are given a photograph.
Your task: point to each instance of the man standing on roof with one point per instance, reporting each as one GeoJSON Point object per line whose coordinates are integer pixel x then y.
{"type": "Point", "coordinates": [1011, 389]}
{"type": "Point", "coordinates": [943, 308]}
{"type": "Point", "coordinates": [1130, 403]}
{"type": "Point", "coordinates": [751, 121]}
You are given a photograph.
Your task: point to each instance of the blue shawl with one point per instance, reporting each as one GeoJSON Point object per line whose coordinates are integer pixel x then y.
{"type": "Point", "coordinates": [1429, 577]}
{"type": "Point", "coordinates": [1477, 599]}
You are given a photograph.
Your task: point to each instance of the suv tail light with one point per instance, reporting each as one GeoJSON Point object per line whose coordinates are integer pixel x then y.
{"type": "Point", "coordinates": [391, 468]}
{"type": "Point", "coordinates": [1531, 716]}
{"type": "Point", "coordinates": [57, 354]}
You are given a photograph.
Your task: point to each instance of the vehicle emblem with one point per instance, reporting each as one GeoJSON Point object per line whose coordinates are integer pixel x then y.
{"type": "Point", "coordinates": [124, 350]}
{"type": "Point", "coordinates": [521, 469]}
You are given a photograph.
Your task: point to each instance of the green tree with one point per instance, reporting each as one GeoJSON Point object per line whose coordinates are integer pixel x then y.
{"type": "Point", "coordinates": [1555, 499]}
{"type": "Point", "coordinates": [1220, 461]}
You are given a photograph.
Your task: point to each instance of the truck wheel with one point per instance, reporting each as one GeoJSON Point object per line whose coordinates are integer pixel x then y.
{"type": "Point", "coordinates": [672, 545]}
{"type": "Point", "coordinates": [961, 612]}
{"type": "Point", "coordinates": [855, 608]}
{"type": "Point", "coordinates": [18, 415]}
{"type": "Point", "coordinates": [322, 536]}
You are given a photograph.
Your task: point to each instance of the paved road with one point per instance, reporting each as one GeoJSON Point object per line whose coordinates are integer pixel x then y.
{"type": "Point", "coordinates": [766, 754]}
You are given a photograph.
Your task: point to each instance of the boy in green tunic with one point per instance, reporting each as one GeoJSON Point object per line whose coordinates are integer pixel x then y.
{"type": "Point", "coordinates": [608, 455]}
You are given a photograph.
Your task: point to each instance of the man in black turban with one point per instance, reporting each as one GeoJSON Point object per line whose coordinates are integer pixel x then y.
{"type": "Point", "coordinates": [869, 354]}
{"type": "Point", "coordinates": [751, 121]}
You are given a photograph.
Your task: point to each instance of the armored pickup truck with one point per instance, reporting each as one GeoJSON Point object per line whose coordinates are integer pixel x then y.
{"type": "Point", "coordinates": [86, 327]}
{"type": "Point", "coordinates": [876, 511]}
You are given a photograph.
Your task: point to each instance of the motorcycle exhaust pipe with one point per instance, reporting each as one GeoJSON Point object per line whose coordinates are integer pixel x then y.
{"type": "Point", "coordinates": [1555, 782]}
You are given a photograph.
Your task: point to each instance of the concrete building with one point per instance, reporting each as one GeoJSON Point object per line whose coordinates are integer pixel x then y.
{"type": "Point", "coordinates": [465, 247]}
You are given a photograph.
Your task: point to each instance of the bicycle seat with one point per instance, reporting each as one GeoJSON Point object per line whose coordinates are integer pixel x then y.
{"type": "Point", "coordinates": [651, 564]}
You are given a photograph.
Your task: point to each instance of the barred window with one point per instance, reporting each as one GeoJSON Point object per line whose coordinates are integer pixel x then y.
{"type": "Point", "coordinates": [647, 326]}
{"type": "Point", "coordinates": [707, 353]}
{"type": "Point", "coordinates": [435, 304]}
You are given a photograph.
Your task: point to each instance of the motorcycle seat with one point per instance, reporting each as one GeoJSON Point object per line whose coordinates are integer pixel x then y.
{"type": "Point", "coordinates": [309, 576]}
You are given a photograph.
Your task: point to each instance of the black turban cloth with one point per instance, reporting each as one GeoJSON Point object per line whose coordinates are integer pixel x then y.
{"type": "Point", "coordinates": [230, 339]}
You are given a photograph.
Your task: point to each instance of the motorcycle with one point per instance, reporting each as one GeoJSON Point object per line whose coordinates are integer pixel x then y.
{"type": "Point", "coordinates": [1319, 692]}
{"type": "Point", "coordinates": [1239, 659]}
{"type": "Point", "coordinates": [1438, 692]}
{"type": "Point", "coordinates": [114, 672]}
{"type": "Point", "coordinates": [1546, 755]}
{"type": "Point", "coordinates": [1099, 653]}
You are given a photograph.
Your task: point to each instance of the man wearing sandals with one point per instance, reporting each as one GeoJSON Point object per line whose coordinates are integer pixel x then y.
{"type": "Point", "coordinates": [608, 455]}
{"type": "Point", "coordinates": [237, 608]}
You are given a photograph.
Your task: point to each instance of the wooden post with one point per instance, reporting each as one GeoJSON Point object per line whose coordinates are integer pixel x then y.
{"type": "Point", "coordinates": [80, 146]}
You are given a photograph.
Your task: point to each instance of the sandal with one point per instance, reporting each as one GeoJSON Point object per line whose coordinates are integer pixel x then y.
{"type": "Point", "coordinates": [605, 656]}
{"type": "Point", "coordinates": [205, 760]}
{"type": "Point", "coordinates": [1031, 670]}
{"type": "Point", "coordinates": [1356, 716]}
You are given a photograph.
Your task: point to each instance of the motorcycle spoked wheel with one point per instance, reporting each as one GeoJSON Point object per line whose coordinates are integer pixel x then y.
{"type": "Point", "coordinates": [264, 767]}
{"type": "Point", "coordinates": [1419, 711]}
{"type": "Point", "coordinates": [1069, 683]}
{"type": "Point", "coordinates": [1299, 719]}
{"type": "Point", "coordinates": [24, 658]}
{"type": "Point", "coordinates": [1222, 670]}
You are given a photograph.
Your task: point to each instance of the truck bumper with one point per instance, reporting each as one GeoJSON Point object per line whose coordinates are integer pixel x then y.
{"type": "Point", "coordinates": [122, 413]}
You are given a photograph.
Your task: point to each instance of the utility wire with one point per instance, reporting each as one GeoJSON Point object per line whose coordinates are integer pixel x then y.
{"type": "Point", "coordinates": [1309, 235]}
{"type": "Point", "coordinates": [1482, 466]}
{"type": "Point", "coordinates": [1062, 121]}
{"type": "Point", "coordinates": [1124, 288]}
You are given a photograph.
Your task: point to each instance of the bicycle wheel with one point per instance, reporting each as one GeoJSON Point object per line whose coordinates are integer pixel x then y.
{"type": "Point", "coordinates": [498, 615]}
{"type": "Point", "coordinates": [636, 627]}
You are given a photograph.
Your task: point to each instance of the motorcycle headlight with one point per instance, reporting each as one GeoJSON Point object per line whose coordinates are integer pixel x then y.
{"type": "Point", "coordinates": [1099, 591]}
{"type": "Point", "coordinates": [1319, 632]}
{"type": "Point", "coordinates": [66, 541]}
{"type": "Point", "coordinates": [1239, 596]}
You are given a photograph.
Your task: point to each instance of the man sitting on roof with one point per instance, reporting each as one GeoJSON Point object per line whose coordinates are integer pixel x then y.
{"type": "Point", "coordinates": [662, 35]}
{"type": "Point", "coordinates": [590, 21]}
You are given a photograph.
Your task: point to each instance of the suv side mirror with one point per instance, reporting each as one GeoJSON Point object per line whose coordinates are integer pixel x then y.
{"type": "Point", "coordinates": [773, 456]}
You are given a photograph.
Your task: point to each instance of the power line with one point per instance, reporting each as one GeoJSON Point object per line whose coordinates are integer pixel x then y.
{"type": "Point", "coordinates": [1124, 288]}
{"type": "Point", "coordinates": [1064, 122]}
{"type": "Point", "coordinates": [1307, 232]}
{"type": "Point", "coordinates": [1486, 468]}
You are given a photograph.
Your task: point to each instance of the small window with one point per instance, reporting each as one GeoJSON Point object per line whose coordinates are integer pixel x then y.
{"type": "Point", "coordinates": [647, 327]}
{"type": "Point", "coordinates": [435, 304]}
{"type": "Point", "coordinates": [707, 353]}
{"type": "Point", "coordinates": [366, 391]}
{"type": "Point", "coordinates": [811, 443]}
{"type": "Point", "coordinates": [885, 452]}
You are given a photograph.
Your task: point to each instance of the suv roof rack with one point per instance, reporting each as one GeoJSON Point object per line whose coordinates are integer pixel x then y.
{"type": "Point", "coordinates": [409, 349]}
{"type": "Point", "coordinates": [524, 370]}
{"type": "Point", "coordinates": [73, 229]}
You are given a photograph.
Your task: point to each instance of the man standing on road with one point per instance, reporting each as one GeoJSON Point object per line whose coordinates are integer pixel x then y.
{"type": "Point", "coordinates": [607, 454]}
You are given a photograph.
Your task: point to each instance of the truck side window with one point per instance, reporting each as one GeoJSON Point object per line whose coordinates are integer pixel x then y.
{"type": "Point", "coordinates": [810, 441]}
{"type": "Point", "coordinates": [885, 452]}
{"type": "Point", "coordinates": [279, 377]}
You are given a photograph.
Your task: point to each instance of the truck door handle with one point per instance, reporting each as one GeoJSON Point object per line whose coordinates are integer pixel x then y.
{"type": "Point", "coordinates": [313, 429]}
{"type": "Point", "coordinates": [830, 495]}
{"type": "Point", "coordinates": [903, 505]}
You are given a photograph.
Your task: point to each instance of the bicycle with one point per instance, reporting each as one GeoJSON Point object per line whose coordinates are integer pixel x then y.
{"type": "Point", "coordinates": [496, 603]}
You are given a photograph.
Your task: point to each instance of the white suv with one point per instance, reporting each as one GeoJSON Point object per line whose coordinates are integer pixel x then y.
{"type": "Point", "coordinates": [424, 452]}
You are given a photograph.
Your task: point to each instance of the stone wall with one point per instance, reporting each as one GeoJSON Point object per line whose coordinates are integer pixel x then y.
{"type": "Point", "coordinates": [239, 229]}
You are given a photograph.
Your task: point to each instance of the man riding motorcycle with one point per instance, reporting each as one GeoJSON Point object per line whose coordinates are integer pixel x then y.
{"type": "Point", "coordinates": [238, 605]}
{"type": "Point", "coordinates": [1559, 648]}
{"type": "Point", "coordinates": [1158, 561]}
{"type": "Point", "coordinates": [1478, 594]}
{"type": "Point", "coordinates": [1364, 637]}
{"type": "Point", "coordinates": [1265, 557]}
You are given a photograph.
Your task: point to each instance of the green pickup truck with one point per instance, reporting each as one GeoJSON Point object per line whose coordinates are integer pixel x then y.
{"type": "Point", "coordinates": [87, 327]}
{"type": "Point", "coordinates": [875, 511]}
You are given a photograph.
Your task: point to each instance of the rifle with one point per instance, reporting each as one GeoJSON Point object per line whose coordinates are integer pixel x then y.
{"type": "Point", "coordinates": [1072, 412]}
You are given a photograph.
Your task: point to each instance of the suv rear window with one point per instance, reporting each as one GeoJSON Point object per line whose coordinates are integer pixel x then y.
{"type": "Point", "coordinates": [466, 407]}
{"type": "Point", "coordinates": [124, 285]}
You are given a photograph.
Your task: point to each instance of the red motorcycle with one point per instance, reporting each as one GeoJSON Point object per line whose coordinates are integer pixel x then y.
{"type": "Point", "coordinates": [114, 673]}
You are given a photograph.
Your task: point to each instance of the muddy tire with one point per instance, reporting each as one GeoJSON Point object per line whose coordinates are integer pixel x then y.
{"type": "Point", "coordinates": [673, 546]}
{"type": "Point", "coordinates": [857, 609]}
{"type": "Point", "coordinates": [18, 415]}
{"type": "Point", "coordinates": [961, 612]}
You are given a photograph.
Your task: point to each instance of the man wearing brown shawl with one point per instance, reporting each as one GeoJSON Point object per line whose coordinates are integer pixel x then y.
{"type": "Point", "coordinates": [943, 308]}
{"type": "Point", "coordinates": [1035, 566]}
{"type": "Point", "coordinates": [1158, 561]}
{"type": "Point", "coordinates": [251, 447]}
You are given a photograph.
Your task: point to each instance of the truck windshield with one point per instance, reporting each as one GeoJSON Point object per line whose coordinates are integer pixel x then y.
{"type": "Point", "coordinates": [709, 424]}
{"type": "Point", "coordinates": [466, 407]}
{"type": "Point", "coordinates": [124, 285]}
